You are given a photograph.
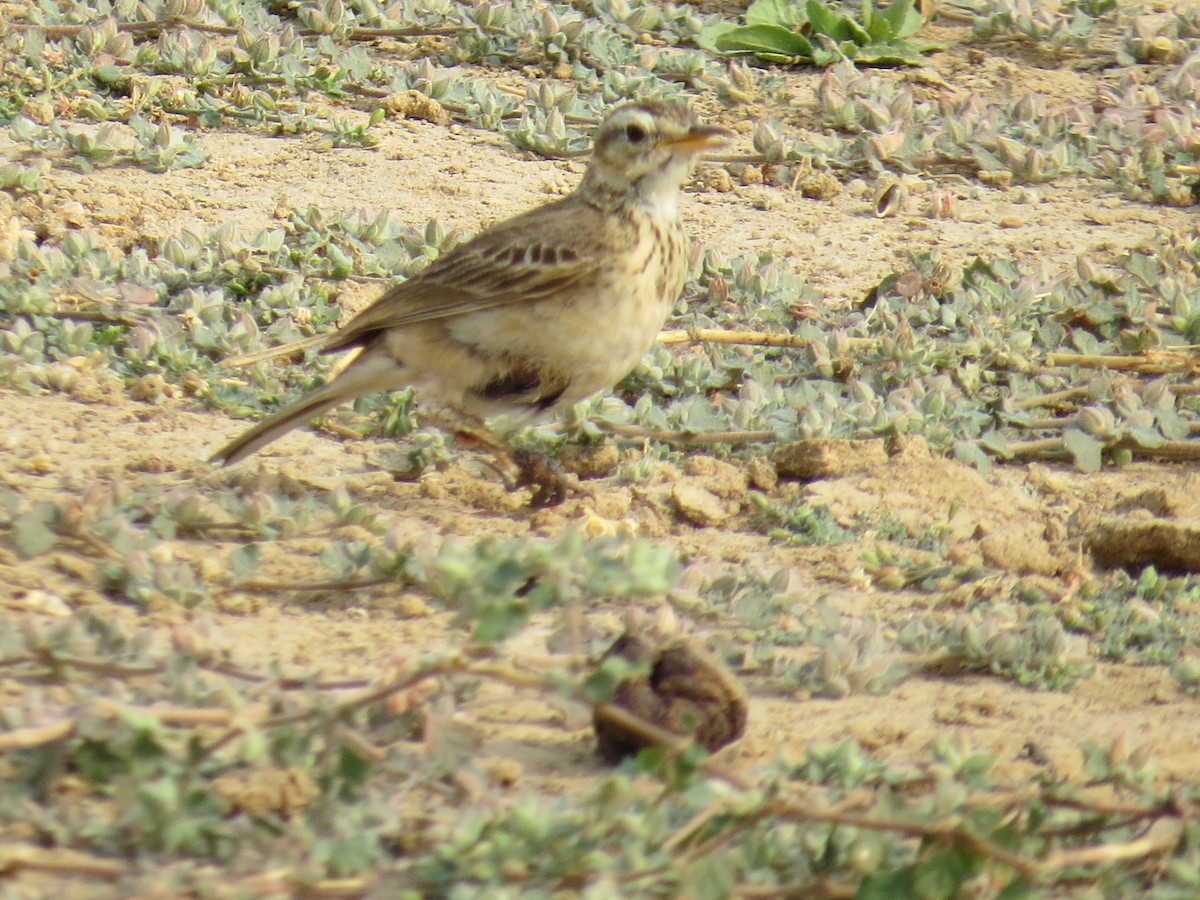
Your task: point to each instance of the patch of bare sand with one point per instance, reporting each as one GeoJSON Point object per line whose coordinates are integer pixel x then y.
{"type": "Point", "coordinates": [1022, 519]}
{"type": "Point", "coordinates": [361, 634]}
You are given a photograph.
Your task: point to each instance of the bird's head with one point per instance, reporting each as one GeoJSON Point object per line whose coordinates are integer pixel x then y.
{"type": "Point", "coordinates": [648, 149]}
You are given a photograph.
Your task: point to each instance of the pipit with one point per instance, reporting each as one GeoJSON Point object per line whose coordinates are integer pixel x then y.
{"type": "Point", "coordinates": [539, 312]}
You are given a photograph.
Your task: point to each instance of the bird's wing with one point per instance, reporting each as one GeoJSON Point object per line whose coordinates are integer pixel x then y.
{"type": "Point", "coordinates": [524, 259]}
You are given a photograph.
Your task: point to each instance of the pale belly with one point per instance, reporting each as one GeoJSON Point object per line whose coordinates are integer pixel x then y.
{"type": "Point", "coordinates": [590, 339]}
{"type": "Point", "coordinates": [526, 360]}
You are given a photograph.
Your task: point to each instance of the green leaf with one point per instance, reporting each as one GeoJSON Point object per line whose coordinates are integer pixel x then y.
{"type": "Point", "coordinates": [601, 685]}
{"type": "Point", "coordinates": [500, 619]}
{"type": "Point", "coordinates": [1020, 889]}
{"type": "Point", "coordinates": [1084, 449]}
{"type": "Point", "coordinates": [997, 443]}
{"type": "Point", "coordinates": [706, 40]}
{"type": "Point", "coordinates": [899, 884]}
{"type": "Point", "coordinates": [254, 745]}
{"type": "Point", "coordinates": [353, 767]}
{"type": "Point", "coordinates": [97, 762]}
{"type": "Point", "coordinates": [109, 75]}
{"type": "Point", "coordinates": [160, 793]}
{"type": "Point", "coordinates": [835, 25]}
{"type": "Point", "coordinates": [788, 13]}
{"type": "Point", "coordinates": [944, 872]}
{"type": "Point", "coordinates": [877, 26]}
{"type": "Point", "coordinates": [773, 39]}
{"type": "Point", "coordinates": [823, 58]}
{"type": "Point", "coordinates": [31, 535]}
{"type": "Point", "coordinates": [893, 53]}
{"type": "Point", "coordinates": [244, 561]}
{"type": "Point", "coordinates": [901, 18]}
{"type": "Point", "coordinates": [1171, 425]}
{"type": "Point", "coordinates": [1146, 436]}
{"type": "Point", "coordinates": [709, 878]}
{"type": "Point", "coordinates": [972, 454]}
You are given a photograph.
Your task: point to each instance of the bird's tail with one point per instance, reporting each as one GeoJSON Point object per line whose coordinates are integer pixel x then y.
{"type": "Point", "coordinates": [365, 375]}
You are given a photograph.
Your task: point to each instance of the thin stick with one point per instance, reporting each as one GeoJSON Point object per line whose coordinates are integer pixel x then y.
{"type": "Point", "coordinates": [24, 858]}
{"type": "Point", "coordinates": [1156, 362]}
{"type": "Point", "coordinates": [949, 830]}
{"type": "Point", "coordinates": [36, 736]}
{"type": "Point", "coordinates": [1053, 399]}
{"type": "Point", "coordinates": [267, 587]}
{"type": "Point", "coordinates": [1103, 854]}
{"type": "Point", "coordinates": [1037, 448]}
{"type": "Point", "coordinates": [293, 349]}
{"type": "Point", "coordinates": [717, 336]}
{"type": "Point", "coordinates": [49, 658]}
{"type": "Point", "coordinates": [1176, 451]}
{"type": "Point", "coordinates": [156, 27]}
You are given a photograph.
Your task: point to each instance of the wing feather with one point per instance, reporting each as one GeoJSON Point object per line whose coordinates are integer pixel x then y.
{"type": "Point", "coordinates": [522, 260]}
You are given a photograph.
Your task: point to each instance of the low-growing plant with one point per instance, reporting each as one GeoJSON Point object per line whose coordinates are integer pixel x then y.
{"type": "Point", "coordinates": [820, 34]}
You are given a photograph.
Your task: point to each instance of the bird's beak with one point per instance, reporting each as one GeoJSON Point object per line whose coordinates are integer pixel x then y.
{"type": "Point", "coordinates": [697, 139]}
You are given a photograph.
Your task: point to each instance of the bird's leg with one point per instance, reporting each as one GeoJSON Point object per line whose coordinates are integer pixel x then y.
{"type": "Point", "coordinates": [518, 468]}
{"type": "Point", "coordinates": [542, 473]}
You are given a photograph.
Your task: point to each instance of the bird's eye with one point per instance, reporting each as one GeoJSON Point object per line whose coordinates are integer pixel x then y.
{"type": "Point", "coordinates": [635, 134]}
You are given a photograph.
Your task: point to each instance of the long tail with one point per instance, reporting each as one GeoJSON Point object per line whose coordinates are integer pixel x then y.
{"type": "Point", "coordinates": [368, 374]}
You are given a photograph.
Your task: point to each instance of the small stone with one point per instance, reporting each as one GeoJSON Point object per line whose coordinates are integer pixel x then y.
{"type": "Point", "coordinates": [724, 479]}
{"type": "Point", "coordinates": [39, 111]}
{"type": "Point", "coordinates": [698, 504]}
{"type": "Point", "coordinates": [239, 604]}
{"type": "Point", "coordinates": [700, 465]}
{"type": "Point", "coordinates": [38, 464]}
{"type": "Point", "coordinates": [595, 526]}
{"type": "Point", "coordinates": [193, 383]}
{"type": "Point", "coordinates": [412, 606]}
{"type": "Point", "coordinates": [813, 459]}
{"type": "Point", "coordinates": [150, 389]}
{"type": "Point", "coordinates": [153, 463]}
{"type": "Point", "coordinates": [752, 175]}
{"type": "Point", "coordinates": [999, 178]}
{"type": "Point", "coordinates": [819, 186]}
{"type": "Point", "coordinates": [1118, 542]}
{"type": "Point", "coordinates": [1016, 549]}
{"type": "Point", "coordinates": [857, 188]}
{"type": "Point", "coordinates": [762, 474]}
{"type": "Point", "coordinates": [285, 792]}
{"type": "Point", "coordinates": [503, 772]}
{"type": "Point", "coordinates": [586, 461]}
{"type": "Point", "coordinates": [212, 570]}
{"type": "Point", "coordinates": [909, 447]}
{"type": "Point", "coordinates": [39, 601]}
{"type": "Point", "coordinates": [719, 180]}
{"type": "Point", "coordinates": [613, 504]}
{"type": "Point", "coordinates": [433, 486]}
{"type": "Point", "coordinates": [415, 105]}
{"type": "Point", "coordinates": [766, 202]}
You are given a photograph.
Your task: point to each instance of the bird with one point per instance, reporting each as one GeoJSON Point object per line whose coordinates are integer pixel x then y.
{"type": "Point", "coordinates": [538, 312]}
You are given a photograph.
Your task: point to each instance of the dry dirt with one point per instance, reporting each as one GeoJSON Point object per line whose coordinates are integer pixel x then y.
{"type": "Point", "coordinates": [1029, 520]}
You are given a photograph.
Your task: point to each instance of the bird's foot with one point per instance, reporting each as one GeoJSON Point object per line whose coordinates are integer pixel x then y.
{"type": "Point", "coordinates": [550, 483]}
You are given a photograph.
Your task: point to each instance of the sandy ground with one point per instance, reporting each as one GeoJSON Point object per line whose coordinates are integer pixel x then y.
{"type": "Point", "coordinates": [53, 446]}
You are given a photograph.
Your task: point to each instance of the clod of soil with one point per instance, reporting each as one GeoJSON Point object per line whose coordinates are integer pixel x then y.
{"type": "Point", "coordinates": [688, 692]}
{"type": "Point", "coordinates": [812, 459]}
{"type": "Point", "coordinates": [1121, 543]}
